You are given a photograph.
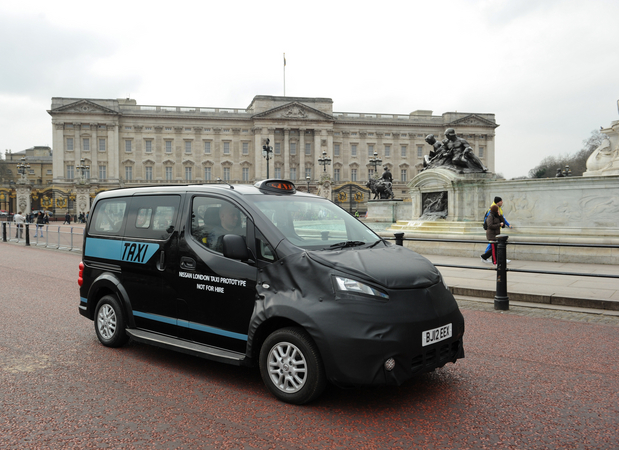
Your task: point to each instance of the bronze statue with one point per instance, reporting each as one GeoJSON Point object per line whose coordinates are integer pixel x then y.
{"type": "Point", "coordinates": [382, 188]}
{"type": "Point", "coordinates": [453, 153]}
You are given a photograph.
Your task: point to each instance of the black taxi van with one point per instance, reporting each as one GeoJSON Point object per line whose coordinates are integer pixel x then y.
{"type": "Point", "coordinates": [264, 275]}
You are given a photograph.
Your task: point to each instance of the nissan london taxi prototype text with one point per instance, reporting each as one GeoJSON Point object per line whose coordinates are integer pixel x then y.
{"type": "Point", "coordinates": [264, 275]}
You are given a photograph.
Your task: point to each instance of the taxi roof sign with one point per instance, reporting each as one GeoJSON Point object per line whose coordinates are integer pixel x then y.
{"type": "Point", "coordinates": [276, 186]}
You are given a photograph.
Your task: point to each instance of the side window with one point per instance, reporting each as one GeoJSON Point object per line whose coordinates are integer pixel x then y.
{"type": "Point", "coordinates": [108, 216]}
{"type": "Point", "coordinates": [213, 218]}
{"type": "Point", "coordinates": [152, 216]}
{"type": "Point", "coordinates": [263, 249]}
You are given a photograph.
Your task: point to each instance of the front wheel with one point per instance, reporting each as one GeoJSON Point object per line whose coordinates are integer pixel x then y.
{"type": "Point", "coordinates": [110, 322]}
{"type": "Point", "coordinates": [291, 366]}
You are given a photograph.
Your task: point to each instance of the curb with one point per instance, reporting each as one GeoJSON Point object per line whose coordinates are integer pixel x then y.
{"type": "Point", "coordinates": [555, 300]}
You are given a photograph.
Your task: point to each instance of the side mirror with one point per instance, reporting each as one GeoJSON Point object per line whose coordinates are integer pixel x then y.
{"type": "Point", "coordinates": [235, 247]}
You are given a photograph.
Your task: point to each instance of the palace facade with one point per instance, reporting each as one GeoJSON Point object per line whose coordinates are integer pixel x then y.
{"type": "Point", "coordinates": [116, 142]}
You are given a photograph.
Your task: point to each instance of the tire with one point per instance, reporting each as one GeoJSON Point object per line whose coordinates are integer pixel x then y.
{"type": "Point", "coordinates": [291, 366]}
{"type": "Point", "coordinates": [110, 322]}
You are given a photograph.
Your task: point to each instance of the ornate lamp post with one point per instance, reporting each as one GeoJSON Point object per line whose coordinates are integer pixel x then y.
{"type": "Point", "coordinates": [376, 161]}
{"type": "Point", "coordinates": [267, 151]}
{"type": "Point", "coordinates": [21, 168]}
{"type": "Point", "coordinates": [324, 161]}
{"type": "Point", "coordinates": [82, 168]}
{"type": "Point", "coordinates": [308, 183]}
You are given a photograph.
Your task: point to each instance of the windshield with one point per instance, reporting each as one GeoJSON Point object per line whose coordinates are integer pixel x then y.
{"type": "Point", "coordinates": [313, 223]}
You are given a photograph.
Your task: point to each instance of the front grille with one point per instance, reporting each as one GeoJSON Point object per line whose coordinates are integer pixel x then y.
{"type": "Point", "coordinates": [436, 357]}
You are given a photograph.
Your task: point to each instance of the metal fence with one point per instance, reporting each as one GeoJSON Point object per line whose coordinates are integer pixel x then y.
{"type": "Point", "coordinates": [501, 300]}
{"type": "Point", "coordinates": [58, 237]}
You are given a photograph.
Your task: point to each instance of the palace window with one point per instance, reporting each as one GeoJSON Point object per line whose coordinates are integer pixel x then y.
{"type": "Point", "coordinates": [278, 172]}
{"type": "Point", "coordinates": [308, 172]}
{"type": "Point", "coordinates": [102, 172]}
{"type": "Point", "coordinates": [168, 146]}
{"type": "Point", "coordinates": [403, 175]}
{"type": "Point", "coordinates": [370, 150]}
{"type": "Point", "coordinates": [148, 146]}
{"type": "Point", "coordinates": [387, 151]}
{"type": "Point", "coordinates": [481, 151]}
{"type": "Point", "coordinates": [336, 150]}
{"type": "Point", "coordinates": [86, 144]}
{"type": "Point", "coordinates": [207, 174]}
{"type": "Point", "coordinates": [168, 174]}
{"type": "Point", "coordinates": [246, 148]}
{"type": "Point", "coordinates": [226, 148]}
{"type": "Point", "coordinates": [308, 149]}
{"type": "Point", "coordinates": [127, 145]}
{"type": "Point", "coordinates": [293, 148]}
{"type": "Point", "coordinates": [226, 173]}
{"type": "Point", "coordinates": [69, 144]}
{"type": "Point", "coordinates": [293, 173]}
{"type": "Point", "coordinates": [353, 175]}
{"type": "Point", "coordinates": [278, 148]}
{"type": "Point", "coordinates": [187, 146]}
{"type": "Point", "coordinates": [336, 175]}
{"type": "Point", "coordinates": [207, 147]}
{"type": "Point", "coordinates": [148, 173]}
{"type": "Point", "coordinates": [70, 173]}
{"type": "Point", "coordinates": [353, 150]}
{"type": "Point", "coordinates": [403, 151]}
{"type": "Point", "coordinates": [419, 151]}
{"type": "Point", "coordinates": [188, 174]}
{"type": "Point", "coordinates": [101, 145]}
{"type": "Point", "coordinates": [128, 173]}
{"type": "Point", "coordinates": [245, 174]}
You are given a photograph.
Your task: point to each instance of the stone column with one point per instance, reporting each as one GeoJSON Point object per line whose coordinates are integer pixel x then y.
{"type": "Point", "coordinates": [113, 154]}
{"type": "Point", "coordinates": [271, 162]}
{"type": "Point", "coordinates": [317, 154]}
{"type": "Point", "coordinates": [94, 150]}
{"type": "Point", "coordinates": [302, 159]}
{"type": "Point", "coordinates": [59, 150]}
{"type": "Point", "coordinates": [258, 158]}
{"type": "Point", "coordinates": [286, 153]}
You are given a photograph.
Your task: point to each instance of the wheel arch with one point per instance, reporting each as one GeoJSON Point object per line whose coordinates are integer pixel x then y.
{"type": "Point", "coordinates": [109, 284]}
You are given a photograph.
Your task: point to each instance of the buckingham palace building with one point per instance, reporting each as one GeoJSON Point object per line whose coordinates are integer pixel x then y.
{"type": "Point", "coordinates": [119, 143]}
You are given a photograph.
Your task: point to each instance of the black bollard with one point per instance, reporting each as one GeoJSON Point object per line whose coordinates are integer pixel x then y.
{"type": "Point", "coordinates": [399, 239]}
{"type": "Point", "coordinates": [27, 235]}
{"type": "Point", "coordinates": [3, 231]}
{"type": "Point", "coordinates": [501, 300]}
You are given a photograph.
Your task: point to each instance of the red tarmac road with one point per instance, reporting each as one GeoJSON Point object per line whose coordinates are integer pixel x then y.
{"type": "Point", "coordinates": [526, 382]}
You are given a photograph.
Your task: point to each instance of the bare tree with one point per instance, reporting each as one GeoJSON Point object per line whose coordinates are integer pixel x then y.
{"type": "Point", "coordinates": [577, 162]}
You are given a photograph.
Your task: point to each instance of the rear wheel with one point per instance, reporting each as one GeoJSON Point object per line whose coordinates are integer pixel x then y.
{"type": "Point", "coordinates": [291, 366]}
{"type": "Point", "coordinates": [110, 322]}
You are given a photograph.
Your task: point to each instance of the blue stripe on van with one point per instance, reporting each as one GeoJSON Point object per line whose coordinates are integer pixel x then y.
{"type": "Point", "coordinates": [117, 250]}
{"type": "Point", "coordinates": [190, 325]}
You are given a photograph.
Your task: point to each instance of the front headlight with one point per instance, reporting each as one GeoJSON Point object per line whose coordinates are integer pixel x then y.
{"type": "Point", "coordinates": [354, 286]}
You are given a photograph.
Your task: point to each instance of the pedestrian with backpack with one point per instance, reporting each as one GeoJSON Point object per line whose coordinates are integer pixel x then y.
{"type": "Point", "coordinates": [498, 202]}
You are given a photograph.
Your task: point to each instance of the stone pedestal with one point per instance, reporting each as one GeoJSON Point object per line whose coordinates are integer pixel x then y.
{"type": "Point", "coordinates": [23, 191]}
{"type": "Point", "coordinates": [82, 199]}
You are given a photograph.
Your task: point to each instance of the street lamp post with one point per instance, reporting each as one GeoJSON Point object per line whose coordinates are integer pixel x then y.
{"type": "Point", "coordinates": [267, 151]}
{"type": "Point", "coordinates": [324, 161]}
{"type": "Point", "coordinates": [376, 161]}
{"type": "Point", "coordinates": [22, 166]}
{"type": "Point", "coordinates": [308, 183]}
{"type": "Point", "coordinates": [82, 168]}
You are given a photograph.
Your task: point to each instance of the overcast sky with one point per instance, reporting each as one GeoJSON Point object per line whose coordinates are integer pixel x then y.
{"type": "Point", "coordinates": [548, 69]}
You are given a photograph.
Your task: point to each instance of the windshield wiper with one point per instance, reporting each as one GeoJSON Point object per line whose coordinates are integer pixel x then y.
{"type": "Point", "coordinates": [374, 244]}
{"type": "Point", "coordinates": [344, 244]}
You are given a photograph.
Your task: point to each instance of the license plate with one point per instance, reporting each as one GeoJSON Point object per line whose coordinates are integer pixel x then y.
{"type": "Point", "coordinates": [436, 335]}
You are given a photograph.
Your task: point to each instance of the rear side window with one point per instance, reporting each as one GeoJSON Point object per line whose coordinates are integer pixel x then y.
{"type": "Point", "coordinates": [109, 216]}
{"type": "Point", "coordinates": [152, 216]}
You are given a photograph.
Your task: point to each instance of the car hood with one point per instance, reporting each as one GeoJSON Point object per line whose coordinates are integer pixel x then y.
{"type": "Point", "coordinates": [393, 267]}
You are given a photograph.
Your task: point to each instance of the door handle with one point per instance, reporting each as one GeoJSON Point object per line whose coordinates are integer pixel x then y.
{"type": "Point", "coordinates": [188, 263]}
{"type": "Point", "coordinates": [161, 262]}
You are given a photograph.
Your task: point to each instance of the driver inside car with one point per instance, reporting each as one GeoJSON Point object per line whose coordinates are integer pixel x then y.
{"type": "Point", "coordinates": [230, 218]}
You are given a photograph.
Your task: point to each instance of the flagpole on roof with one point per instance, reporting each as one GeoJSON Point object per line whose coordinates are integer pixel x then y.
{"type": "Point", "coordinates": [284, 74]}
